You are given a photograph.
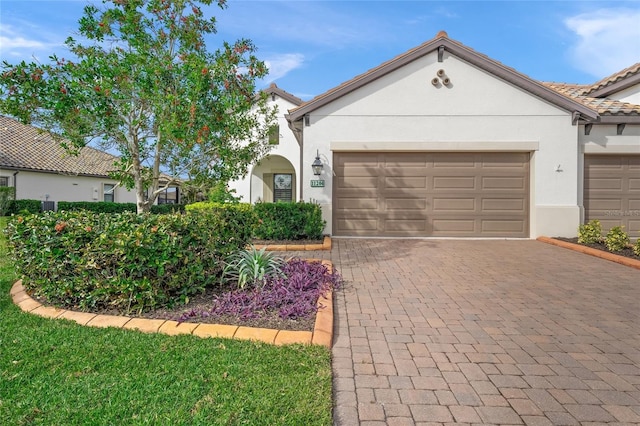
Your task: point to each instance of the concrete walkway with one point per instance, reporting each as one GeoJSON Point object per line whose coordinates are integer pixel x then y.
{"type": "Point", "coordinates": [483, 332]}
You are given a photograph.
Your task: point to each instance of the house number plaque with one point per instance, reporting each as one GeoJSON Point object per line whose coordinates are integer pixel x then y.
{"type": "Point", "coordinates": [317, 183]}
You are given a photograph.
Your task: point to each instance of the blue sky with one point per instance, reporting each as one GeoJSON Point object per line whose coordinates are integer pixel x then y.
{"type": "Point", "coordinates": [312, 46]}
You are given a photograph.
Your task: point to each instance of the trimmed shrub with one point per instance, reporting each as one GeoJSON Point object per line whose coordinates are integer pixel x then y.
{"type": "Point", "coordinates": [132, 262]}
{"type": "Point", "coordinates": [167, 208]}
{"type": "Point", "coordinates": [636, 248]}
{"type": "Point", "coordinates": [289, 221]}
{"type": "Point", "coordinates": [97, 206]}
{"type": "Point", "coordinates": [7, 195]}
{"type": "Point", "coordinates": [590, 233]}
{"type": "Point", "coordinates": [25, 207]}
{"type": "Point", "coordinates": [616, 239]}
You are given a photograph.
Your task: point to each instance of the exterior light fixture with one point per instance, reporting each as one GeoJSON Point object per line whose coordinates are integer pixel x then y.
{"type": "Point", "coordinates": [317, 165]}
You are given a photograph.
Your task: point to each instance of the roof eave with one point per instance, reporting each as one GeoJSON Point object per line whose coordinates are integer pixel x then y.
{"type": "Point", "coordinates": [619, 119]}
{"type": "Point", "coordinates": [462, 52]}
{"type": "Point", "coordinates": [616, 87]}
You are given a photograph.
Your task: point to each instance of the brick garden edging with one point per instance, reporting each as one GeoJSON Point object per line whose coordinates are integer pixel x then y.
{"type": "Point", "coordinates": [322, 333]}
{"type": "Point", "coordinates": [593, 252]}
{"type": "Point", "coordinates": [326, 245]}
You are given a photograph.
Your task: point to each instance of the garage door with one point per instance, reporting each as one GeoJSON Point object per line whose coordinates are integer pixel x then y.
{"type": "Point", "coordinates": [612, 191]}
{"type": "Point", "coordinates": [435, 194]}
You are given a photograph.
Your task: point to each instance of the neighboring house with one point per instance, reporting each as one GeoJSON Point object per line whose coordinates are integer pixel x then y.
{"type": "Point", "coordinates": [443, 141]}
{"type": "Point", "coordinates": [40, 169]}
{"type": "Point", "coordinates": [277, 176]}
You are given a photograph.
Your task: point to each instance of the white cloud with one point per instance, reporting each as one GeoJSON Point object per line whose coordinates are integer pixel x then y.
{"type": "Point", "coordinates": [281, 65]}
{"type": "Point", "coordinates": [17, 44]}
{"type": "Point", "coordinates": [609, 40]}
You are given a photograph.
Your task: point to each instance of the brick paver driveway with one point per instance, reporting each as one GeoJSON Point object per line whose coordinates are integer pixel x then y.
{"type": "Point", "coordinates": [489, 332]}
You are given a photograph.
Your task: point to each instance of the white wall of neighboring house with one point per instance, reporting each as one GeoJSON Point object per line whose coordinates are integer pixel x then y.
{"type": "Point", "coordinates": [54, 187]}
{"type": "Point", "coordinates": [283, 158]}
{"type": "Point", "coordinates": [630, 94]}
{"type": "Point", "coordinates": [403, 111]}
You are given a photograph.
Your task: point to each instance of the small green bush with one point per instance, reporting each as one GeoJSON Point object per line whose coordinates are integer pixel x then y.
{"type": "Point", "coordinates": [97, 206]}
{"type": "Point", "coordinates": [7, 195]}
{"type": "Point", "coordinates": [167, 208]}
{"type": "Point", "coordinates": [636, 248]}
{"type": "Point", "coordinates": [616, 239]}
{"type": "Point", "coordinates": [25, 207]}
{"type": "Point", "coordinates": [85, 260]}
{"type": "Point", "coordinates": [590, 233]}
{"type": "Point", "coordinates": [289, 221]}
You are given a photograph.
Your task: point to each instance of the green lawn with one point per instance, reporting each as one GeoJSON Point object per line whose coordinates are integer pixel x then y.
{"type": "Point", "coordinates": [57, 372]}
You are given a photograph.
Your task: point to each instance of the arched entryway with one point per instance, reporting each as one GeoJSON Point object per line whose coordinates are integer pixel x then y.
{"type": "Point", "coordinates": [273, 179]}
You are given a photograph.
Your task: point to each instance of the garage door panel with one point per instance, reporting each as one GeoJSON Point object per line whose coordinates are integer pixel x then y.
{"type": "Point", "coordinates": [357, 183]}
{"type": "Point", "coordinates": [357, 203]}
{"type": "Point", "coordinates": [406, 204]}
{"type": "Point", "coordinates": [405, 182]}
{"type": "Point", "coordinates": [504, 204]}
{"type": "Point", "coordinates": [454, 182]}
{"type": "Point", "coordinates": [451, 205]}
{"type": "Point", "coordinates": [505, 182]}
{"type": "Point", "coordinates": [612, 191]}
{"type": "Point", "coordinates": [444, 227]}
{"type": "Point", "coordinates": [498, 225]}
{"type": "Point", "coordinates": [406, 225]}
{"type": "Point", "coordinates": [604, 184]}
{"type": "Point", "coordinates": [432, 194]}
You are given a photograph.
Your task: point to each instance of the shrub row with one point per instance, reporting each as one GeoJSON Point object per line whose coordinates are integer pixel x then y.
{"type": "Point", "coordinates": [289, 221]}
{"type": "Point", "coordinates": [278, 221]}
{"type": "Point", "coordinates": [35, 206]}
{"type": "Point", "coordinates": [89, 260]}
{"type": "Point", "coordinates": [615, 240]}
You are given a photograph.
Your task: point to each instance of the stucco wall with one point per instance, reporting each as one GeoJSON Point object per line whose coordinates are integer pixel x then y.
{"type": "Point", "coordinates": [403, 110]}
{"type": "Point", "coordinates": [630, 94]}
{"type": "Point", "coordinates": [54, 187]}
{"type": "Point", "coordinates": [249, 188]}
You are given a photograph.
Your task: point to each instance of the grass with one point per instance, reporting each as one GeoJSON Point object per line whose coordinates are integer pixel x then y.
{"type": "Point", "coordinates": [57, 372]}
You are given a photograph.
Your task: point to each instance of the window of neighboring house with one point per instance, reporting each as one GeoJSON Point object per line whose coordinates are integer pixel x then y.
{"type": "Point", "coordinates": [4, 180]}
{"type": "Point", "coordinates": [169, 196]}
{"type": "Point", "coordinates": [274, 135]}
{"type": "Point", "coordinates": [282, 187]}
{"type": "Point", "coordinates": [108, 191]}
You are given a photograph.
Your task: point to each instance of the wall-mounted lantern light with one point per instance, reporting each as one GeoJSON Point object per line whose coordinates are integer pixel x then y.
{"type": "Point", "coordinates": [317, 165]}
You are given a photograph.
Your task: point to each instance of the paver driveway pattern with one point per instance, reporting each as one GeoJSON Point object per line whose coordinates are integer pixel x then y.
{"type": "Point", "coordinates": [485, 332]}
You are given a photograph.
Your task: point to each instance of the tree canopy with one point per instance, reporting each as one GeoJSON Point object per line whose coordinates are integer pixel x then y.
{"type": "Point", "coordinates": [143, 82]}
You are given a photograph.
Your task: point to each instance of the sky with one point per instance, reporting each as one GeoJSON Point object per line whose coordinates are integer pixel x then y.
{"type": "Point", "coordinates": [313, 46]}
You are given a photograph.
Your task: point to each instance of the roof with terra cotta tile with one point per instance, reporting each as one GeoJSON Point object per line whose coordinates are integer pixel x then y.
{"type": "Point", "coordinates": [603, 106]}
{"type": "Point", "coordinates": [24, 147]}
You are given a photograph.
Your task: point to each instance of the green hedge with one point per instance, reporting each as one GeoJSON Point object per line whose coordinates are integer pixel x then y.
{"type": "Point", "coordinates": [97, 206]}
{"type": "Point", "coordinates": [7, 195]}
{"type": "Point", "coordinates": [167, 208]}
{"type": "Point", "coordinates": [24, 206]}
{"type": "Point", "coordinates": [277, 221]}
{"type": "Point", "coordinates": [289, 221]}
{"type": "Point", "coordinates": [133, 262]}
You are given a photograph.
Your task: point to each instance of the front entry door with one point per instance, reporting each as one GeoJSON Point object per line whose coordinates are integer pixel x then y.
{"type": "Point", "coordinates": [282, 187]}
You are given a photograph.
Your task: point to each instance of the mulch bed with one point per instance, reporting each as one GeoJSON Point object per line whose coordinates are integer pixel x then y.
{"type": "Point", "coordinates": [627, 252]}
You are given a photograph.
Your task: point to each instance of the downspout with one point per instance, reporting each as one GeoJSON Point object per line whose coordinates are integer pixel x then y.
{"type": "Point", "coordinates": [15, 185]}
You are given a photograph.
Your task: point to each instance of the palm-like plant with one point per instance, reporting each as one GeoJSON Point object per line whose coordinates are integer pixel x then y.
{"type": "Point", "coordinates": [251, 267]}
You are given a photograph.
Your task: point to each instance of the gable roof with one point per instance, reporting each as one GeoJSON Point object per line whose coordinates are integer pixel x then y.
{"type": "Point", "coordinates": [441, 43]}
{"type": "Point", "coordinates": [603, 106]}
{"type": "Point", "coordinates": [273, 89]}
{"type": "Point", "coordinates": [616, 82]}
{"type": "Point", "coordinates": [24, 147]}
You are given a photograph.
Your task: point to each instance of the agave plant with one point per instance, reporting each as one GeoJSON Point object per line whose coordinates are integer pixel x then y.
{"type": "Point", "coordinates": [251, 267]}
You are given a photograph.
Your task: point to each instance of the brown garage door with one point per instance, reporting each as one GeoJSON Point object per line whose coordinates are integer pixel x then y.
{"type": "Point", "coordinates": [612, 191]}
{"type": "Point", "coordinates": [431, 194]}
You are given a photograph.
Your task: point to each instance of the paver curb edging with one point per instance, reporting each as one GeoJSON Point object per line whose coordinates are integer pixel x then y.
{"type": "Point", "coordinates": [593, 252]}
{"type": "Point", "coordinates": [322, 333]}
{"type": "Point", "coordinates": [326, 245]}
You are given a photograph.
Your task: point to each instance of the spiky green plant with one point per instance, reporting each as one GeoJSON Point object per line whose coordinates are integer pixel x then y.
{"type": "Point", "coordinates": [251, 267]}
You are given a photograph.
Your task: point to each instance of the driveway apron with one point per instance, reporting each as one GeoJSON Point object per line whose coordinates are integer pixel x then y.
{"type": "Point", "coordinates": [484, 332]}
